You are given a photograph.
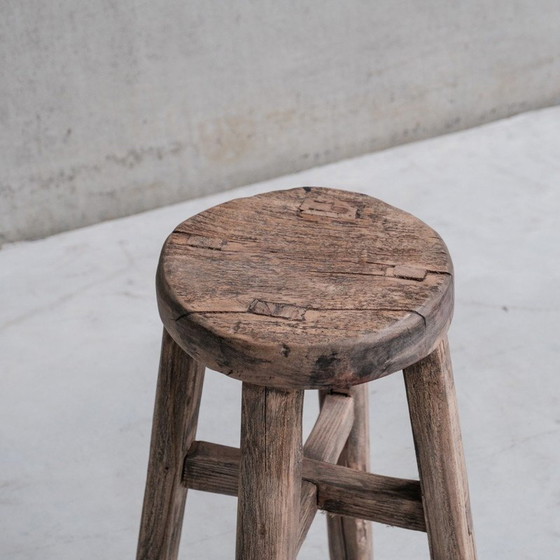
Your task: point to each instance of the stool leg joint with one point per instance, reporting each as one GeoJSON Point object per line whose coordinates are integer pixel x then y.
{"type": "Point", "coordinates": [393, 501]}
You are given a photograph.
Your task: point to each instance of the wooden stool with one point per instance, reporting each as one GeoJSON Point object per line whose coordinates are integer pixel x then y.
{"type": "Point", "coordinates": [308, 288]}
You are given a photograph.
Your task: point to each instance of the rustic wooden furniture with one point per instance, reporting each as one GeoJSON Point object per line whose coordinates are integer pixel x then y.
{"type": "Point", "coordinates": [308, 288]}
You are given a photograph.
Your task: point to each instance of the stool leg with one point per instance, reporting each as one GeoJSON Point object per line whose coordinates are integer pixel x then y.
{"type": "Point", "coordinates": [270, 474]}
{"type": "Point", "coordinates": [351, 538]}
{"type": "Point", "coordinates": [439, 450]}
{"type": "Point", "coordinates": [178, 395]}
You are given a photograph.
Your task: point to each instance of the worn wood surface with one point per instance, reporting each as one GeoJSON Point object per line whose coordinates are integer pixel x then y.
{"type": "Point", "coordinates": [384, 499]}
{"type": "Point", "coordinates": [269, 473]}
{"type": "Point", "coordinates": [305, 288]}
{"type": "Point", "coordinates": [215, 468]}
{"type": "Point", "coordinates": [439, 450]}
{"type": "Point", "coordinates": [350, 538]}
{"type": "Point", "coordinates": [325, 443]}
{"type": "Point", "coordinates": [177, 403]}
{"type": "Point", "coordinates": [330, 432]}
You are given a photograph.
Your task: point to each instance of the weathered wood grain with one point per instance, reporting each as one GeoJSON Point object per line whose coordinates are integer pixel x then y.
{"type": "Point", "coordinates": [330, 432]}
{"type": "Point", "coordinates": [305, 288]}
{"type": "Point", "coordinates": [269, 473]}
{"type": "Point", "coordinates": [325, 443]}
{"type": "Point", "coordinates": [350, 538]}
{"type": "Point", "coordinates": [393, 501]}
{"type": "Point", "coordinates": [212, 467]}
{"type": "Point", "coordinates": [439, 450]}
{"type": "Point", "coordinates": [177, 403]}
{"type": "Point", "coordinates": [215, 468]}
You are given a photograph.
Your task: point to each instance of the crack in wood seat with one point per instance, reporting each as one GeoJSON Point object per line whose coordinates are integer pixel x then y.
{"type": "Point", "coordinates": [305, 288]}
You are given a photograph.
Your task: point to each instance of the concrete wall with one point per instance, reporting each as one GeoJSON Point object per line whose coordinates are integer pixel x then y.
{"type": "Point", "coordinates": [110, 107]}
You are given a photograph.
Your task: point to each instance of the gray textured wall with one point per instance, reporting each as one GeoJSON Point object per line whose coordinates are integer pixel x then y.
{"type": "Point", "coordinates": [111, 107]}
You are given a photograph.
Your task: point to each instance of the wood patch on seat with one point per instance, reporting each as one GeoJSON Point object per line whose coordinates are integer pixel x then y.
{"type": "Point", "coordinates": [410, 272]}
{"type": "Point", "coordinates": [282, 310]}
{"type": "Point", "coordinates": [206, 242]}
{"type": "Point", "coordinates": [314, 208]}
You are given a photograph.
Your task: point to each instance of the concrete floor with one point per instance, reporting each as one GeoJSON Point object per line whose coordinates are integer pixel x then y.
{"type": "Point", "coordinates": [80, 340]}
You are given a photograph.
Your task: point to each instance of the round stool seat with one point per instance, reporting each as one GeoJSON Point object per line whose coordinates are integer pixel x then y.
{"type": "Point", "coordinates": [305, 288]}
